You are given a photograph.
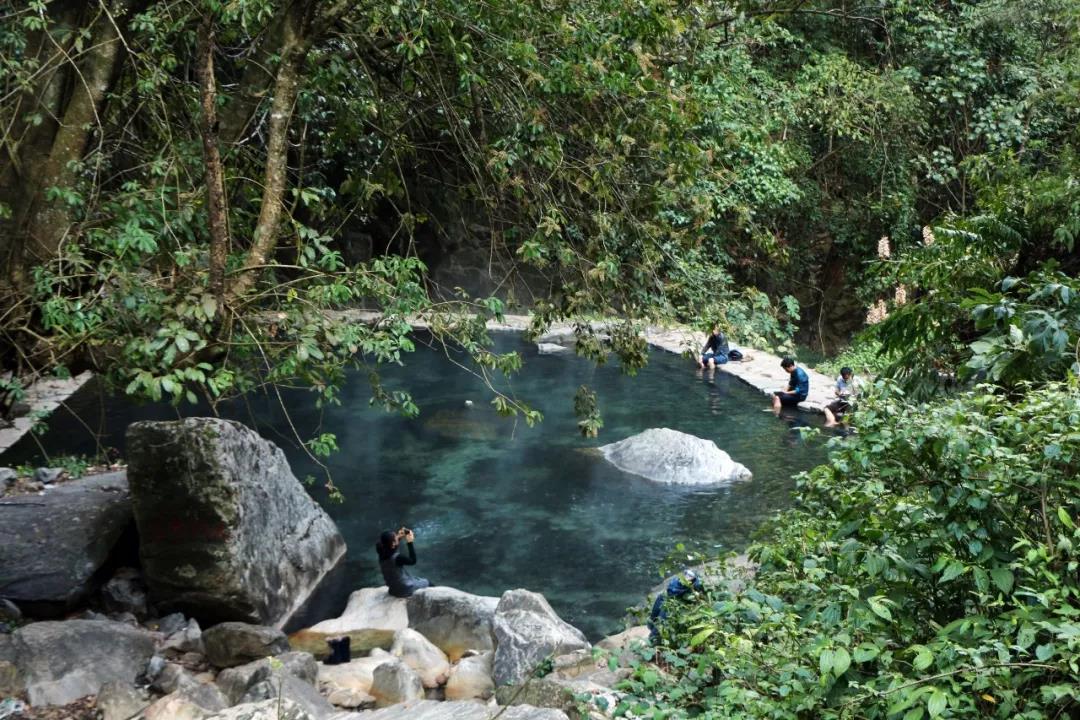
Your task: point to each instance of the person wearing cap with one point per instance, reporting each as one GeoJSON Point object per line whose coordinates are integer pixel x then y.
{"type": "Point", "coordinates": [679, 587]}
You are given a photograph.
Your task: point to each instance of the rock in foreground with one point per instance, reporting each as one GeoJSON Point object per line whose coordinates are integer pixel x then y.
{"type": "Point", "coordinates": [63, 661]}
{"type": "Point", "coordinates": [227, 531]}
{"type": "Point", "coordinates": [54, 543]}
{"type": "Point", "coordinates": [434, 710]}
{"type": "Point", "coordinates": [527, 630]}
{"type": "Point", "coordinates": [673, 457]}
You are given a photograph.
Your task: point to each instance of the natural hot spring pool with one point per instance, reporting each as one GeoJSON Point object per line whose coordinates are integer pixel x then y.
{"type": "Point", "coordinates": [499, 505]}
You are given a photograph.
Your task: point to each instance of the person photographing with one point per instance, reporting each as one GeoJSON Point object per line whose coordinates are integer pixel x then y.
{"type": "Point", "coordinates": [392, 562]}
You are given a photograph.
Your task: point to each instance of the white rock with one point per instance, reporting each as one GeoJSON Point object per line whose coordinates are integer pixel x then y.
{"type": "Point", "coordinates": [371, 618]}
{"type": "Point", "coordinates": [395, 682]}
{"type": "Point", "coordinates": [416, 651]}
{"type": "Point", "coordinates": [454, 621]}
{"type": "Point", "coordinates": [551, 348]}
{"type": "Point", "coordinates": [355, 676]}
{"type": "Point", "coordinates": [670, 456]}
{"type": "Point", "coordinates": [471, 679]}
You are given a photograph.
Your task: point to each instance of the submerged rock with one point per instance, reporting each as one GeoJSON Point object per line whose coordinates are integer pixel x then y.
{"type": "Point", "coordinates": [53, 544]}
{"type": "Point", "coordinates": [674, 457]}
{"type": "Point", "coordinates": [527, 630]}
{"type": "Point", "coordinates": [227, 531]}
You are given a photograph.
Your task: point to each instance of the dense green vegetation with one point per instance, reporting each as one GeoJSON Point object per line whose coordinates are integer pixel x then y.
{"type": "Point", "coordinates": [181, 179]}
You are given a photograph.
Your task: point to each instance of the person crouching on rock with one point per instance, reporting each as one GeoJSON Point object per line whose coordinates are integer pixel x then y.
{"type": "Point", "coordinates": [392, 562]}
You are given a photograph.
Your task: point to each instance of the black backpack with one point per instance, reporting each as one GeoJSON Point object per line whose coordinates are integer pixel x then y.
{"type": "Point", "coordinates": [734, 355]}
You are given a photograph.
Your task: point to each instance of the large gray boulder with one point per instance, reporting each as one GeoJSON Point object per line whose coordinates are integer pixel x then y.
{"type": "Point", "coordinates": [527, 630]}
{"type": "Point", "coordinates": [60, 662]}
{"type": "Point", "coordinates": [673, 457]}
{"type": "Point", "coordinates": [227, 531]}
{"type": "Point", "coordinates": [453, 620]}
{"type": "Point", "coordinates": [54, 543]}
{"type": "Point", "coordinates": [462, 710]}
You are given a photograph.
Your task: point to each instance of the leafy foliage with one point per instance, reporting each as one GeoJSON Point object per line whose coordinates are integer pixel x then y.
{"type": "Point", "coordinates": [931, 570]}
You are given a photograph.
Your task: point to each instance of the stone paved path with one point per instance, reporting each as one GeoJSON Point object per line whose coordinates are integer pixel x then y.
{"type": "Point", "coordinates": [43, 397]}
{"type": "Point", "coordinates": [759, 369]}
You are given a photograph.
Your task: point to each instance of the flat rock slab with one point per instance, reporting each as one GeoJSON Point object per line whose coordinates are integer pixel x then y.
{"type": "Point", "coordinates": [227, 531]}
{"type": "Point", "coordinates": [53, 543]}
{"type": "Point", "coordinates": [673, 457]}
{"type": "Point", "coordinates": [434, 710]}
{"type": "Point", "coordinates": [371, 618]}
{"type": "Point", "coordinates": [760, 370]}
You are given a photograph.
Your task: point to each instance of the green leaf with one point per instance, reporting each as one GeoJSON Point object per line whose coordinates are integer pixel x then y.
{"type": "Point", "coordinates": [1063, 516]}
{"type": "Point", "coordinates": [877, 605]}
{"type": "Point", "coordinates": [935, 704]}
{"type": "Point", "coordinates": [923, 657]}
{"type": "Point", "coordinates": [701, 636]}
{"type": "Point", "coordinates": [826, 661]}
{"type": "Point", "coordinates": [1003, 578]}
{"type": "Point", "coordinates": [841, 662]}
{"type": "Point", "coordinates": [866, 652]}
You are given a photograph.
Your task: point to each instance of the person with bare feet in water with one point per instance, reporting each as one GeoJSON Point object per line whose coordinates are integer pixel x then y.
{"type": "Point", "coordinates": [392, 562]}
{"type": "Point", "coordinates": [798, 386]}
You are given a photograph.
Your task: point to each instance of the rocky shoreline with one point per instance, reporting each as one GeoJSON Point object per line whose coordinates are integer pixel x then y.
{"type": "Point", "coordinates": [228, 545]}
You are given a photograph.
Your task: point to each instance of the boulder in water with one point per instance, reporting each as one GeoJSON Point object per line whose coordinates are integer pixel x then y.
{"type": "Point", "coordinates": [670, 456]}
{"type": "Point", "coordinates": [227, 532]}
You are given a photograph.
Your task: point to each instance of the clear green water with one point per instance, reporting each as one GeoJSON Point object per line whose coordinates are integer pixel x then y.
{"type": "Point", "coordinates": [496, 504]}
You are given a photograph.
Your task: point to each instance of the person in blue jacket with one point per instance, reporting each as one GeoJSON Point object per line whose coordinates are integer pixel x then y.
{"type": "Point", "coordinates": [679, 587]}
{"type": "Point", "coordinates": [798, 386]}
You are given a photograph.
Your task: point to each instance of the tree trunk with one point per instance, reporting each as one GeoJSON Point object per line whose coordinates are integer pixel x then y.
{"type": "Point", "coordinates": [49, 220]}
{"type": "Point", "coordinates": [295, 45]}
{"type": "Point", "coordinates": [215, 172]}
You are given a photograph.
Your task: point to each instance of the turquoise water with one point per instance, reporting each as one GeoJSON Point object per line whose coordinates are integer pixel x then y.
{"type": "Point", "coordinates": [496, 504]}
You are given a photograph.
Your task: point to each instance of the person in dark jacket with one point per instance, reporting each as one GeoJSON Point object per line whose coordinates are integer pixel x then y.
{"type": "Point", "coordinates": [715, 350]}
{"type": "Point", "coordinates": [798, 386]}
{"type": "Point", "coordinates": [392, 562]}
{"type": "Point", "coordinates": [679, 587]}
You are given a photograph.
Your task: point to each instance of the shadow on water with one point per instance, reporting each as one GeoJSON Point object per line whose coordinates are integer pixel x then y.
{"type": "Point", "coordinates": [497, 504]}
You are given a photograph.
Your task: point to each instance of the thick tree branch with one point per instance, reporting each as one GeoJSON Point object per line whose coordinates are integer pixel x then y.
{"type": "Point", "coordinates": [215, 172]}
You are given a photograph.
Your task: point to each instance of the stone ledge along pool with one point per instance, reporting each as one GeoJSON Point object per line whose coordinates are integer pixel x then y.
{"type": "Point", "coordinates": [497, 504]}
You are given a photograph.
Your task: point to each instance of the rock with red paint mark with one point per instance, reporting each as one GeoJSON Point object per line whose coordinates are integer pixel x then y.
{"type": "Point", "coordinates": [226, 530]}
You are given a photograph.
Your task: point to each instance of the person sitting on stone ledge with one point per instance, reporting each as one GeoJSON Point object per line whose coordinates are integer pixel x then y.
{"type": "Point", "coordinates": [392, 562]}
